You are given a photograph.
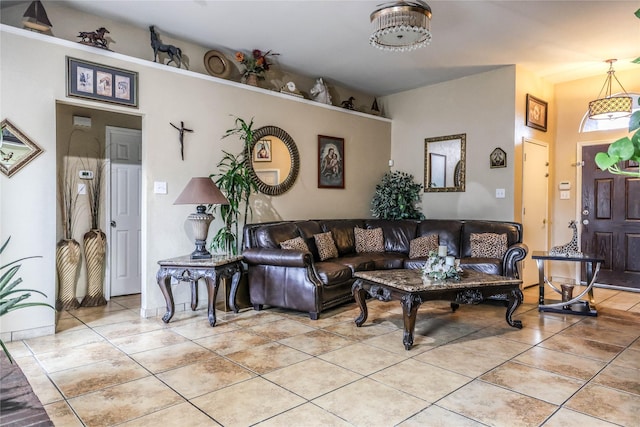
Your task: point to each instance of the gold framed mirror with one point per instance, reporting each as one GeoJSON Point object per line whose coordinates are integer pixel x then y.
{"type": "Point", "coordinates": [273, 160]}
{"type": "Point", "coordinates": [445, 163]}
{"type": "Point", "coordinates": [16, 149]}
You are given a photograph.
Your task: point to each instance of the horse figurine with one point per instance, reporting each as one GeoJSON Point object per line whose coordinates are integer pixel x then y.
{"type": "Point", "coordinates": [570, 249]}
{"type": "Point", "coordinates": [94, 38]}
{"type": "Point", "coordinates": [174, 53]}
{"type": "Point", "coordinates": [320, 92]}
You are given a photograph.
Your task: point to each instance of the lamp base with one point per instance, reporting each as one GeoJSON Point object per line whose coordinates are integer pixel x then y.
{"type": "Point", "coordinates": [201, 251]}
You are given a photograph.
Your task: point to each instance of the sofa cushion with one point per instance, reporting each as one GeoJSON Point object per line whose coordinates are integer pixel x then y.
{"type": "Point", "coordinates": [357, 262]}
{"type": "Point", "coordinates": [270, 236]}
{"type": "Point", "coordinates": [342, 230]}
{"type": "Point", "coordinates": [326, 246]}
{"type": "Point", "coordinates": [397, 233]}
{"type": "Point", "coordinates": [448, 231]}
{"type": "Point", "coordinates": [307, 230]}
{"type": "Point", "coordinates": [488, 245]}
{"type": "Point", "coordinates": [297, 243]}
{"type": "Point", "coordinates": [511, 229]}
{"type": "Point", "coordinates": [387, 260]}
{"type": "Point", "coordinates": [332, 273]}
{"type": "Point", "coordinates": [483, 265]}
{"type": "Point", "coordinates": [420, 247]}
{"type": "Point", "coordinates": [368, 240]}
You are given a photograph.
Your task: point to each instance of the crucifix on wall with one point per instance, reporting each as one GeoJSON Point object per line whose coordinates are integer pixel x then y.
{"type": "Point", "coordinates": [182, 130]}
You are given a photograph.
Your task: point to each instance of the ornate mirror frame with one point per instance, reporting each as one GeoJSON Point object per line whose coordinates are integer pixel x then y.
{"type": "Point", "coordinates": [287, 183]}
{"type": "Point", "coordinates": [16, 149]}
{"type": "Point", "coordinates": [457, 171]}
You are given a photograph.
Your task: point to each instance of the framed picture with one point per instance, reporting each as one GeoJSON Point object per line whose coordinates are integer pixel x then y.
{"type": "Point", "coordinates": [101, 83]}
{"type": "Point", "coordinates": [16, 149]}
{"type": "Point", "coordinates": [498, 158]}
{"type": "Point", "coordinates": [536, 113]}
{"type": "Point", "coordinates": [330, 162]}
{"type": "Point", "coordinates": [262, 151]}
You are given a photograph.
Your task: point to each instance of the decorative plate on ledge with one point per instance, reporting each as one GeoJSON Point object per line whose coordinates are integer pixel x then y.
{"type": "Point", "coordinates": [217, 64]}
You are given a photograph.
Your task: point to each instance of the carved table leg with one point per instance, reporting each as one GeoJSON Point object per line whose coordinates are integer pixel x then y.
{"type": "Point", "coordinates": [164, 282]}
{"type": "Point", "coordinates": [360, 295]}
{"type": "Point", "coordinates": [454, 306]}
{"type": "Point", "coordinates": [212, 291]}
{"type": "Point", "coordinates": [515, 299]}
{"type": "Point", "coordinates": [410, 304]}
{"type": "Point", "coordinates": [235, 281]}
{"type": "Point", "coordinates": [194, 295]}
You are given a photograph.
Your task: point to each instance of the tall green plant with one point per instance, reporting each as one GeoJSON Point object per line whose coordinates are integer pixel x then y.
{"type": "Point", "coordinates": [9, 302]}
{"type": "Point", "coordinates": [234, 180]}
{"type": "Point", "coordinates": [397, 197]}
{"type": "Point", "coordinates": [626, 148]}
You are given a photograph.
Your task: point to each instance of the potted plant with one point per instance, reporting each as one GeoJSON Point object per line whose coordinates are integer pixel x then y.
{"type": "Point", "coordinates": [397, 197]}
{"type": "Point", "coordinates": [624, 149]}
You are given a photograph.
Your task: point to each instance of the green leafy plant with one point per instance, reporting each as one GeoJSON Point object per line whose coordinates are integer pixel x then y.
{"type": "Point", "coordinates": [234, 180]}
{"type": "Point", "coordinates": [626, 148]}
{"type": "Point", "coordinates": [397, 197]}
{"type": "Point", "coordinates": [10, 297]}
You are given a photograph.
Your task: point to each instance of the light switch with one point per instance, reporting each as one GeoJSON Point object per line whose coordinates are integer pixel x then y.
{"type": "Point", "coordinates": [565, 195]}
{"type": "Point", "coordinates": [82, 189]}
{"type": "Point", "coordinates": [160, 187]}
{"type": "Point", "coordinates": [500, 193]}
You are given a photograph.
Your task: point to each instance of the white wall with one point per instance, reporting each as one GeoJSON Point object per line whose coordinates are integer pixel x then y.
{"type": "Point", "coordinates": [32, 84]}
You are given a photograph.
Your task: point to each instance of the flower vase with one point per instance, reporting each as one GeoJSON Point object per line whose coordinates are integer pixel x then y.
{"type": "Point", "coordinates": [252, 79]}
{"type": "Point", "coordinates": [95, 244]}
{"type": "Point", "coordinates": [67, 264]}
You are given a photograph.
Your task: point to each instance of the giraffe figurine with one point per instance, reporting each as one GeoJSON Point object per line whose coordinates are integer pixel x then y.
{"type": "Point", "coordinates": [570, 249]}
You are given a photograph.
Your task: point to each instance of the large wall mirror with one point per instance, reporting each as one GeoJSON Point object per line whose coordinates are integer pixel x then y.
{"type": "Point", "coordinates": [274, 162]}
{"type": "Point", "coordinates": [445, 163]}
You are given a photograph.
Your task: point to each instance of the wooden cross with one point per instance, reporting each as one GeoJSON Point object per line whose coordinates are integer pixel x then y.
{"type": "Point", "coordinates": [182, 130]}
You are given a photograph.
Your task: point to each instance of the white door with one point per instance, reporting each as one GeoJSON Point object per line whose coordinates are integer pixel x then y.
{"type": "Point", "coordinates": [535, 202]}
{"type": "Point", "coordinates": [124, 150]}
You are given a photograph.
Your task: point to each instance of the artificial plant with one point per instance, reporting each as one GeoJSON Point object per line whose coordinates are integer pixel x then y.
{"type": "Point", "coordinates": [234, 180]}
{"type": "Point", "coordinates": [397, 197]}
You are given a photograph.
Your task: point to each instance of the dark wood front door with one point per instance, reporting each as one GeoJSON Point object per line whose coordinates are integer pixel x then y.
{"type": "Point", "coordinates": [611, 221]}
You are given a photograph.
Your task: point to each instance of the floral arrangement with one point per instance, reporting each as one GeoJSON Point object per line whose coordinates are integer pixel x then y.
{"type": "Point", "coordinates": [438, 268]}
{"type": "Point", "coordinates": [256, 63]}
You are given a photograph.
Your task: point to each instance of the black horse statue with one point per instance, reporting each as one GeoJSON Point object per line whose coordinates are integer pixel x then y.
{"type": "Point", "coordinates": [174, 53]}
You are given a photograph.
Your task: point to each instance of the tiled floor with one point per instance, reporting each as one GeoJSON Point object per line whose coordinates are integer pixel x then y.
{"type": "Point", "coordinates": [108, 366]}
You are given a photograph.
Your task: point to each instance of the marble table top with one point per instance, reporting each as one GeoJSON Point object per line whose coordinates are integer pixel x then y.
{"type": "Point", "coordinates": [214, 261]}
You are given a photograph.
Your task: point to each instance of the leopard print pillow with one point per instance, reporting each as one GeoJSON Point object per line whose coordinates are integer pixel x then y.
{"type": "Point", "coordinates": [296, 243]}
{"type": "Point", "coordinates": [488, 245]}
{"type": "Point", "coordinates": [369, 240]}
{"type": "Point", "coordinates": [420, 247]}
{"type": "Point", "coordinates": [326, 246]}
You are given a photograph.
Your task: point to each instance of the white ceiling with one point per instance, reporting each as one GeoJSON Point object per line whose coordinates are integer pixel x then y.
{"type": "Point", "coordinates": [557, 40]}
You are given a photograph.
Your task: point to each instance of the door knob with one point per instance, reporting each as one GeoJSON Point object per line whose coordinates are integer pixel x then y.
{"type": "Point", "coordinates": [585, 212]}
{"type": "Point", "coordinates": [585, 221]}
{"type": "Point", "coordinates": [113, 223]}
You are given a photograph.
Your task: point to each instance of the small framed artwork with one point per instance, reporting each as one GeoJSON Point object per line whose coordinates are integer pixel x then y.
{"type": "Point", "coordinates": [498, 158]}
{"type": "Point", "coordinates": [262, 151]}
{"type": "Point", "coordinates": [536, 112]}
{"type": "Point", "coordinates": [330, 162]}
{"type": "Point", "coordinates": [101, 83]}
{"type": "Point", "coordinates": [16, 149]}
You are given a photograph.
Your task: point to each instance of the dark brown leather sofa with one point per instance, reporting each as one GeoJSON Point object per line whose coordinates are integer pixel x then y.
{"type": "Point", "coordinates": [298, 280]}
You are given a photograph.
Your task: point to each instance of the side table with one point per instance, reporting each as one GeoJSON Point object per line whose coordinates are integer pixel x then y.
{"type": "Point", "coordinates": [185, 269]}
{"type": "Point", "coordinates": [574, 305]}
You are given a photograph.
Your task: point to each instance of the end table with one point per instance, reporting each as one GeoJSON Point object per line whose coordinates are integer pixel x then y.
{"type": "Point", "coordinates": [185, 269]}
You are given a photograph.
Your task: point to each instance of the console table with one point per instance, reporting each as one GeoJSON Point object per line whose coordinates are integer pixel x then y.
{"type": "Point", "coordinates": [185, 269]}
{"type": "Point", "coordinates": [574, 305]}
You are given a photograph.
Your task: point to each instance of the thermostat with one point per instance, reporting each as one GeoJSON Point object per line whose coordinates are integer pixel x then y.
{"type": "Point", "coordinates": [86, 174]}
{"type": "Point", "coordinates": [564, 185]}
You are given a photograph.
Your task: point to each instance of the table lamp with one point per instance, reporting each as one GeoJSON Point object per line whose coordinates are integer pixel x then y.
{"type": "Point", "coordinates": [201, 191]}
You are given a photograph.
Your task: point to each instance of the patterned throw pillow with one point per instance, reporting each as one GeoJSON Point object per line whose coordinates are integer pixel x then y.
{"type": "Point", "coordinates": [420, 247]}
{"type": "Point", "coordinates": [297, 243]}
{"type": "Point", "coordinates": [369, 240]}
{"type": "Point", "coordinates": [488, 245]}
{"type": "Point", "coordinates": [326, 246]}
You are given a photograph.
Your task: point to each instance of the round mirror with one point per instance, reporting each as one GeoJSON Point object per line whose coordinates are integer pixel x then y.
{"type": "Point", "coordinates": [273, 159]}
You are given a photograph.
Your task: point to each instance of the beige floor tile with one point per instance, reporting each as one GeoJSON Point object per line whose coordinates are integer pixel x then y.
{"type": "Point", "coordinates": [68, 324]}
{"type": "Point", "coordinates": [253, 318]}
{"type": "Point", "coordinates": [124, 402]}
{"type": "Point", "coordinates": [280, 329]}
{"type": "Point", "coordinates": [561, 363]}
{"type": "Point", "coordinates": [172, 356]}
{"type": "Point", "coordinates": [543, 385]}
{"type": "Point", "coordinates": [199, 329]}
{"type": "Point", "coordinates": [312, 378]}
{"type": "Point", "coordinates": [421, 380]}
{"type": "Point", "coordinates": [129, 301]}
{"type": "Point", "coordinates": [18, 349]}
{"type": "Point", "coordinates": [434, 416]}
{"type": "Point", "coordinates": [179, 415]}
{"type": "Point", "coordinates": [372, 407]}
{"type": "Point", "coordinates": [267, 357]}
{"type": "Point", "coordinates": [260, 400]}
{"type": "Point", "coordinates": [629, 358]}
{"type": "Point", "coordinates": [464, 361]}
{"type": "Point", "coordinates": [61, 415]}
{"type": "Point", "coordinates": [547, 322]}
{"type": "Point", "coordinates": [621, 378]}
{"type": "Point", "coordinates": [97, 318]}
{"type": "Point", "coordinates": [582, 347]}
{"type": "Point", "coordinates": [350, 331]}
{"type": "Point", "coordinates": [608, 404]}
{"type": "Point", "coordinates": [392, 342]}
{"type": "Point", "coordinates": [491, 345]}
{"type": "Point", "coordinates": [316, 342]}
{"type": "Point", "coordinates": [88, 378]}
{"type": "Point", "coordinates": [362, 358]}
{"type": "Point", "coordinates": [132, 327]}
{"type": "Point", "coordinates": [42, 386]}
{"type": "Point", "coordinates": [566, 417]}
{"type": "Point", "coordinates": [526, 335]}
{"type": "Point", "coordinates": [74, 357]}
{"type": "Point", "coordinates": [596, 332]}
{"type": "Point", "coordinates": [496, 406]}
{"type": "Point", "coordinates": [307, 415]}
{"type": "Point", "coordinates": [62, 340]}
{"type": "Point", "coordinates": [148, 341]}
{"type": "Point", "coordinates": [232, 342]}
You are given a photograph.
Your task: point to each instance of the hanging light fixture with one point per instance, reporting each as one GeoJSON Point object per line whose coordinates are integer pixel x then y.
{"type": "Point", "coordinates": [401, 26]}
{"type": "Point", "coordinates": [610, 107]}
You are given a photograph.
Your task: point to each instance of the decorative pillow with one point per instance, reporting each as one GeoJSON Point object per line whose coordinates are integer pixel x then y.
{"type": "Point", "coordinates": [420, 247]}
{"type": "Point", "coordinates": [326, 246]}
{"type": "Point", "coordinates": [297, 243]}
{"type": "Point", "coordinates": [488, 245]}
{"type": "Point", "coordinates": [369, 239]}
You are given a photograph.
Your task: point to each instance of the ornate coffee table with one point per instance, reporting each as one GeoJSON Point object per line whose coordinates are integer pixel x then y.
{"type": "Point", "coordinates": [408, 287]}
